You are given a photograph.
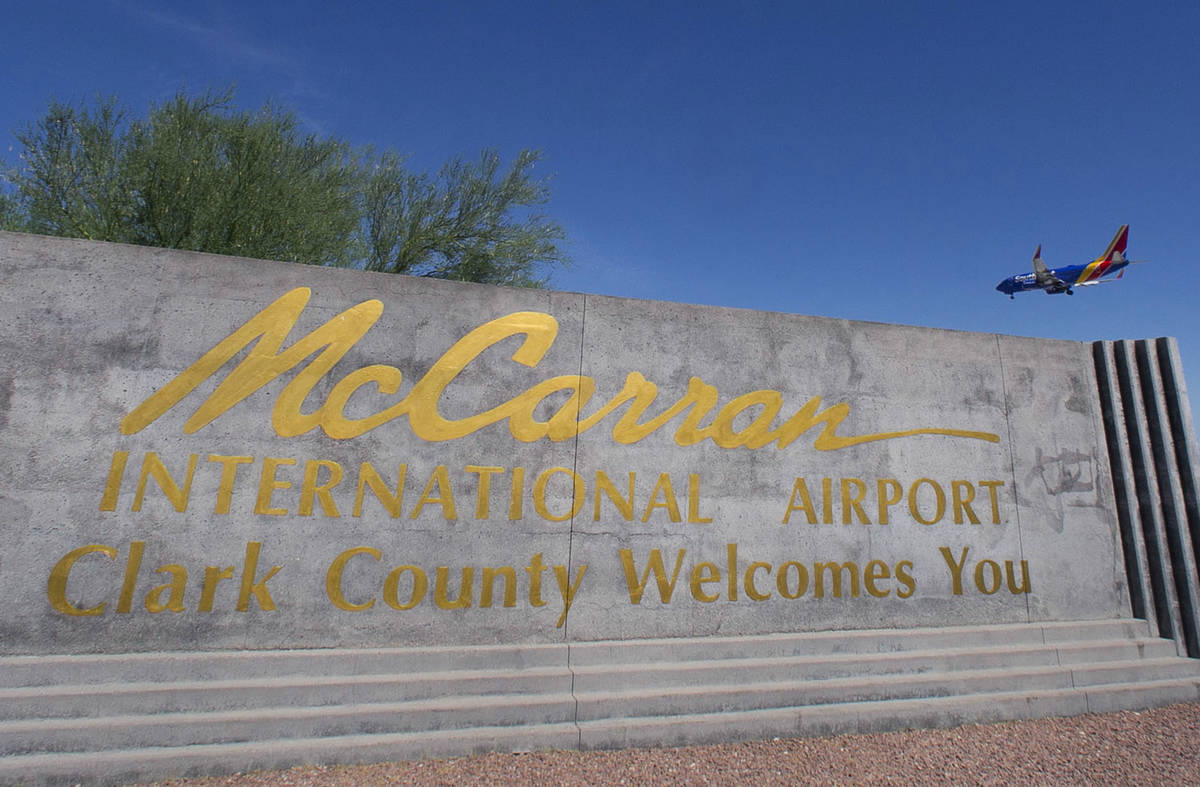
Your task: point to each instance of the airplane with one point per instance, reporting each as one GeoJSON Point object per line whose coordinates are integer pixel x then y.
{"type": "Point", "coordinates": [1056, 280]}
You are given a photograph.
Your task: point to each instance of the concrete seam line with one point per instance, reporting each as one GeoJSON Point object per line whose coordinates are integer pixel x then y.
{"type": "Point", "coordinates": [571, 533]}
{"type": "Point", "coordinates": [1012, 461]}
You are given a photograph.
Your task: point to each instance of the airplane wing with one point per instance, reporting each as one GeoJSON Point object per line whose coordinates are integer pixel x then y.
{"type": "Point", "coordinates": [1045, 279]}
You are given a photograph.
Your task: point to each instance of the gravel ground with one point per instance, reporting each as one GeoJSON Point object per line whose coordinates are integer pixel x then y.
{"type": "Point", "coordinates": [1149, 747]}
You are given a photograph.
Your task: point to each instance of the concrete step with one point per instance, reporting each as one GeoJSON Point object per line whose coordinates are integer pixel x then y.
{"type": "Point", "coordinates": [214, 665]}
{"type": "Point", "coordinates": [284, 722]}
{"type": "Point", "coordinates": [854, 642]}
{"type": "Point", "coordinates": [287, 721]}
{"type": "Point", "coordinates": [108, 719]}
{"type": "Point", "coordinates": [82, 700]}
{"type": "Point", "coordinates": [876, 716]}
{"type": "Point", "coordinates": [123, 765]}
{"type": "Point", "coordinates": [89, 700]}
{"type": "Point", "coordinates": [803, 693]}
{"type": "Point", "coordinates": [823, 667]}
{"type": "Point", "coordinates": [154, 763]}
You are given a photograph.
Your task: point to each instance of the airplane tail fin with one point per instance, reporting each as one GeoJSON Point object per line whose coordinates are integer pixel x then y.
{"type": "Point", "coordinates": [1116, 249]}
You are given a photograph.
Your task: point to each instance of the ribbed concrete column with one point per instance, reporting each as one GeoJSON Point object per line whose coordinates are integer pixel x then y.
{"type": "Point", "coordinates": [1153, 455]}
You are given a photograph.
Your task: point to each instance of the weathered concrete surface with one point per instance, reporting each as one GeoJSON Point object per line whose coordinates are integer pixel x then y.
{"type": "Point", "coordinates": [92, 331]}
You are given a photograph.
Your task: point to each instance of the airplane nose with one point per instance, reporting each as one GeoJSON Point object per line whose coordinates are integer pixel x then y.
{"type": "Point", "coordinates": [1000, 286]}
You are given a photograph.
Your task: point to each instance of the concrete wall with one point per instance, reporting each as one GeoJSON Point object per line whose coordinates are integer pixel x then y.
{"type": "Point", "coordinates": [147, 505]}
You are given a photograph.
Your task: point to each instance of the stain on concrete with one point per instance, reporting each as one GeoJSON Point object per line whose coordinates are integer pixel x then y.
{"type": "Point", "coordinates": [1078, 400]}
{"type": "Point", "coordinates": [7, 387]}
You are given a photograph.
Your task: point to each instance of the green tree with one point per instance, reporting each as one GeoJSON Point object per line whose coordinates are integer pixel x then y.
{"type": "Point", "coordinates": [211, 179]}
{"type": "Point", "coordinates": [70, 183]}
{"type": "Point", "coordinates": [11, 218]}
{"type": "Point", "coordinates": [462, 224]}
{"type": "Point", "coordinates": [194, 174]}
{"type": "Point", "coordinates": [198, 174]}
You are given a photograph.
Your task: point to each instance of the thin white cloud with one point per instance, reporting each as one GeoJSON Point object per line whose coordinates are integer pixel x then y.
{"type": "Point", "coordinates": [222, 41]}
{"type": "Point", "coordinates": [228, 43]}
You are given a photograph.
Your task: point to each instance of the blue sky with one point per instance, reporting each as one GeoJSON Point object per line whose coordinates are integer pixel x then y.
{"type": "Point", "coordinates": [873, 161]}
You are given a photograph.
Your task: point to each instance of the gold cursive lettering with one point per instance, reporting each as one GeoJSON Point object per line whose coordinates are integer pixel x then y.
{"type": "Point", "coordinates": [266, 361]}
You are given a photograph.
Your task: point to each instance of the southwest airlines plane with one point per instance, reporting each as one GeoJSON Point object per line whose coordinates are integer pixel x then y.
{"type": "Point", "coordinates": [1056, 280]}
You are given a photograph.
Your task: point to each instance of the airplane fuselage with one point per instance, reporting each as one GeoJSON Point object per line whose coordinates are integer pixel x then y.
{"type": "Point", "coordinates": [1056, 280]}
{"type": "Point", "coordinates": [1070, 275]}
